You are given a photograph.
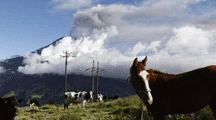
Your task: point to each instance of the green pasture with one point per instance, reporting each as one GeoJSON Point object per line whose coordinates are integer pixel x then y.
{"type": "Point", "coordinates": [122, 109]}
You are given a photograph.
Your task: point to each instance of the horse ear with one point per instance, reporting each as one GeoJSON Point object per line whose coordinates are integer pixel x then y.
{"type": "Point", "coordinates": [144, 61]}
{"type": "Point", "coordinates": [135, 62]}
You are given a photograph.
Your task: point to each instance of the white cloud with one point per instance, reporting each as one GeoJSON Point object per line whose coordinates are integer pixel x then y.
{"type": "Point", "coordinates": [50, 61]}
{"type": "Point", "coordinates": [180, 53]}
{"type": "Point", "coordinates": [145, 22]}
{"type": "Point", "coordinates": [120, 17]}
{"type": "Point", "coordinates": [71, 4]}
{"type": "Point", "coordinates": [167, 7]}
{"type": "Point", "coordinates": [153, 47]}
{"type": "Point", "coordinates": [189, 48]}
{"type": "Point", "coordinates": [139, 47]}
{"type": "Point", "coordinates": [190, 40]}
{"type": "Point", "coordinates": [84, 47]}
{"type": "Point", "coordinates": [164, 30]}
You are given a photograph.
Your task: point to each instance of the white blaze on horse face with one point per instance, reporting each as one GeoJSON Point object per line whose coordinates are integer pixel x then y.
{"type": "Point", "coordinates": [144, 74]}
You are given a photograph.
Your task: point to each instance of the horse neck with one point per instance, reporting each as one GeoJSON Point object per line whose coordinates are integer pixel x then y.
{"type": "Point", "coordinates": [157, 77]}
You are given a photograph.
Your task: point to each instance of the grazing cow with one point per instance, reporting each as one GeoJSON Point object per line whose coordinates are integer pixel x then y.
{"type": "Point", "coordinates": [101, 98]}
{"type": "Point", "coordinates": [77, 97]}
{"type": "Point", "coordinates": [8, 108]}
{"type": "Point", "coordinates": [165, 94]}
{"type": "Point", "coordinates": [113, 97]}
{"type": "Point", "coordinates": [33, 102]}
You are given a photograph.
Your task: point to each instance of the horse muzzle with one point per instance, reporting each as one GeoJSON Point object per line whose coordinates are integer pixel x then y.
{"type": "Point", "coordinates": [149, 98]}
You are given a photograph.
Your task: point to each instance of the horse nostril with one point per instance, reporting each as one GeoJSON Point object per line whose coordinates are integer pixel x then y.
{"type": "Point", "coordinates": [150, 101]}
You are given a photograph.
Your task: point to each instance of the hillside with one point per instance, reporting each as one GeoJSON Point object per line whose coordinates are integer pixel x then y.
{"type": "Point", "coordinates": [50, 86]}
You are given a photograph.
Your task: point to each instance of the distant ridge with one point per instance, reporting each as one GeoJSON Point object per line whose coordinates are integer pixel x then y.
{"type": "Point", "coordinates": [38, 51]}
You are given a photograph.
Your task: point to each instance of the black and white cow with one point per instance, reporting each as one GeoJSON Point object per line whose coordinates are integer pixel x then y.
{"type": "Point", "coordinates": [34, 102]}
{"type": "Point", "coordinates": [77, 97]}
{"type": "Point", "coordinates": [101, 97]}
{"type": "Point", "coordinates": [8, 108]}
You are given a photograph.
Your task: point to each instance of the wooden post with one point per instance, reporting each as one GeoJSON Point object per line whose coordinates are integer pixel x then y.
{"type": "Point", "coordinates": [92, 82]}
{"type": "Point", "coordinates": [65, 84]}
{"type": "Point", "coordinates": [97, 77]}
{"type": "Point", "coordinates": [93, 79]}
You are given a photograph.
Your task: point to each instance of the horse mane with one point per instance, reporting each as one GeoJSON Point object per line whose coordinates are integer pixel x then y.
{"type": "Point", "coordinates": [156, 71]}
{"type": "Point", "coordinates": [158, 77]}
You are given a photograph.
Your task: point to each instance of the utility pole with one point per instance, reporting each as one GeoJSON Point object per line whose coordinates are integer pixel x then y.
{"type": "Point", "coordinates": [98, 70]}
{"type": "Point", "coordinates": [92, 83]}
{"type": "Point", "coordinates": [93, 69]}
{"type": "Point", "coordinates": [65, 85]}
{"type": "Point", "coordinates": [97, 77]}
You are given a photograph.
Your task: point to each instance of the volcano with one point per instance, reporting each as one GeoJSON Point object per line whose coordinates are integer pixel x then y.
{"type": "Point", "coordinates": [50, 87]}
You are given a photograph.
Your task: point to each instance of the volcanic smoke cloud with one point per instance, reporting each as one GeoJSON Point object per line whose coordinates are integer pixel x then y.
{"type": "Point", "coordinates": [178, 50]}
{"type": "Point", "coordinates": [115, 34]}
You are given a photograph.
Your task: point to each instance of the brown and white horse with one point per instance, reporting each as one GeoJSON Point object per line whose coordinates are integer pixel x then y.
{"type": "Point", "coordinates": [174, 93]}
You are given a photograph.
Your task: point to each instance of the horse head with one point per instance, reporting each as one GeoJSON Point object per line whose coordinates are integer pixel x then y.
{"type": "Point", "coordinates": [139, 80]}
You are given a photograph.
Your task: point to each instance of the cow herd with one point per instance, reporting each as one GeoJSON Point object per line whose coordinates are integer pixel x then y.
{"type": "Point", "coordinates": [78, 97]}
{"type": "Point", "coordinates": [84, 97]}
{"type": "Point", "coordinates": [9, 105]}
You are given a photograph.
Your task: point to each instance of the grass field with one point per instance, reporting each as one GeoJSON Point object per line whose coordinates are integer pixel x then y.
{"type": "Point", "coordinates": [121, 109]}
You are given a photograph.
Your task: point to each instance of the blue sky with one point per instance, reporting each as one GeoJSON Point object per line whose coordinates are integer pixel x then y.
{"type": "Point", "coordinates": [180, 32]}
{"type": "Point", "coordinates": [28, 25]}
